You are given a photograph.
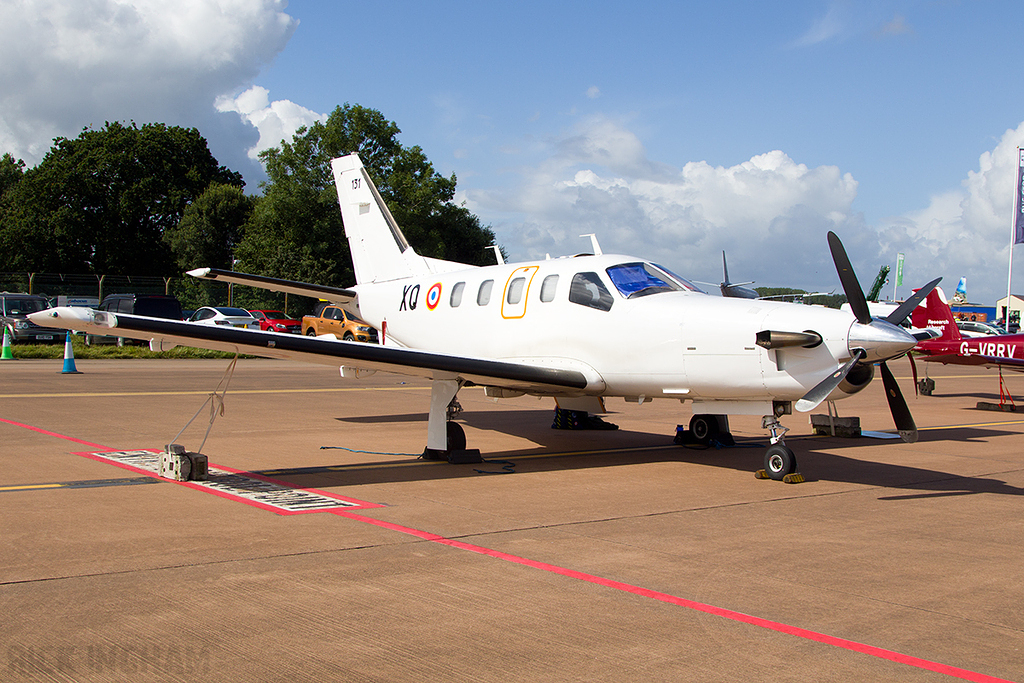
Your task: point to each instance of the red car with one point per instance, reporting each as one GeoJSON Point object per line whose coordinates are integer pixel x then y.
{"type": "Point", "coordinates": [276, 321]}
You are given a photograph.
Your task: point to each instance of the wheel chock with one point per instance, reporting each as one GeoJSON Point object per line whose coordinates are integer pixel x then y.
{"type": "Point", "coordinates": [792, 478]}
{"type": "Point", "coordinates": [1004, 407]}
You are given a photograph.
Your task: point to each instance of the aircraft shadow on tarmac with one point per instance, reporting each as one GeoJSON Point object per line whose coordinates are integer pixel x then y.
{"type": "Point", "coordinates": [560, 450]}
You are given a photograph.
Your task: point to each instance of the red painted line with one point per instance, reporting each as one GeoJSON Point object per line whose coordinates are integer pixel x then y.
{"type": "Point", "coordinates": [732, 615]}
{"type": "Point", "coordinates": [59, 436]}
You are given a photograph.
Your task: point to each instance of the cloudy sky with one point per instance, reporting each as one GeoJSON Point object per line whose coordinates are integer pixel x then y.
{"type": "Point", "coordinates": [672, 130]}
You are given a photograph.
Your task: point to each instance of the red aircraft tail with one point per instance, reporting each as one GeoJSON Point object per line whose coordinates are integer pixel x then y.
{"type": "Point", "coordinates": [935, 312]}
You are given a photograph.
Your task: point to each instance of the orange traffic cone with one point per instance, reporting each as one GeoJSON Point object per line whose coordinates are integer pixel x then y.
{"type": "Point", "coordinates": [69, 358]}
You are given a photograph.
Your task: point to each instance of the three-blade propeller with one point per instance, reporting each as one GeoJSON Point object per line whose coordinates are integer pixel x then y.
{"type": "Point", "coordinates": [858, 304]}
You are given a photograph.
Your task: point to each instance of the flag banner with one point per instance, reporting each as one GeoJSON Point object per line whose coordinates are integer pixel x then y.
{"type": "Point", "coordinates": [899, 270]}
{"type": "Point", "coordinates": [1018, 221]}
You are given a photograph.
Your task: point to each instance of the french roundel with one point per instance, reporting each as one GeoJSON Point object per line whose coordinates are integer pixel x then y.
{"type": "Point", "coordinates": [434, 296]}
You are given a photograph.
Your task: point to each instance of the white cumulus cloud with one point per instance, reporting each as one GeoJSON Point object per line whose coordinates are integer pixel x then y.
{"type": "Point", "coordinates": [965, 231]}
{"type": "Point", "coordinates": [68, 65]}
{"type": "Point", "coordinates": [770, 213]}
{"type": "Point", "coordinates": [275, 121]}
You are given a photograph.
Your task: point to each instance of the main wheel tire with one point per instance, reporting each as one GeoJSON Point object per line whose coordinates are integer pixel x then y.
{"type": "Point", "coordinates": [704, 428]}
{"type": "Point", "coordinates": [349, 337]}
{"type": "Point", "coordinates": [456, 437]}
{"type": "Point", "coordinates": [779, 461]}
{"type": "Point", "coordinates": [311, 332]}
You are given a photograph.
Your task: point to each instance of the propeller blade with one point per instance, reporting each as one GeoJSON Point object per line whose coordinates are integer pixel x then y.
{"type": "Point", "coordinates": [908, 306]}
{"type": "Point", "coordinates": [898, 407]}
{"type": "Point", "coordinates": [854, 294]}
{"type": "Point", "coordinates": [826, 386]}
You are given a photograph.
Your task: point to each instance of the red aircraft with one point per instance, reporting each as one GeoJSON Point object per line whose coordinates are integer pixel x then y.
{"type": "Point", "coordinates": [996, 351]}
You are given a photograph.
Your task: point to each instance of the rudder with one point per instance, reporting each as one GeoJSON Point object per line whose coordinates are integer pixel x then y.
{"type": "Point", "coordinates": [935, 312]}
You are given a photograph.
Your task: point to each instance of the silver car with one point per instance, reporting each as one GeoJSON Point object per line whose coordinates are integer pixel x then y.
{"type": "Point", "coordinates": [225, 315]}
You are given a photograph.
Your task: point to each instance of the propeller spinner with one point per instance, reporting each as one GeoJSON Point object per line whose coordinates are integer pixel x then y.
{"type": "Point", "coordinates": [871, 340]}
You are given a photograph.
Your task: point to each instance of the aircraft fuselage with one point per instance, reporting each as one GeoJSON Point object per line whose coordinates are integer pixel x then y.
{"type": "Point", "coordinates": [678, 344]}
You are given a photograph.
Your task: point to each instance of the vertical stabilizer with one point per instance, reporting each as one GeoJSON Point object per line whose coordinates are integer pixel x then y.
{"type": "Point", "coordinates": [935, 312]}
{"type": "Point", "coordinates": [379, 250]}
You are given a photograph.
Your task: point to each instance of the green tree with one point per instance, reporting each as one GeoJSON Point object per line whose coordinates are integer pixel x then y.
{"type": "Point", "coordinates": [210, 227]}
{"type": "Point", "coordinates": [296, 231]}
{"type": "Point", "coordinates": [11, 171]}
{"type": "Point", "coordinates": [102, 202]}
{"type": "Point", "coordinates": [206, 235]}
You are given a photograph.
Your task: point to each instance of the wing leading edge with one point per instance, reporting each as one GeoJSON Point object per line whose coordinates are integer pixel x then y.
{"type": "Point", "coordinates": [166, 334]}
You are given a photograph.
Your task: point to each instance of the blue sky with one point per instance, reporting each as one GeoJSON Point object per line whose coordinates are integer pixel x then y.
{"type": "Point", "coordinates": [673, 130]}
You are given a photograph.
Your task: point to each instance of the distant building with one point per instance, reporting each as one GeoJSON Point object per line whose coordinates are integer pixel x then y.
{"type": "Point", "coordinates": [1016, 306]}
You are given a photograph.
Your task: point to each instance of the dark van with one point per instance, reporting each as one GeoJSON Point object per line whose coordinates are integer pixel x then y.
{"type": "Point", "coordinates": [149, 305]}
{"type": "Point", "coordinates": [14, 307]}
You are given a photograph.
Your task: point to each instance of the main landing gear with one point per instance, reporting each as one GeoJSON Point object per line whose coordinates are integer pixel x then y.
{"type": "Point", "coordinates": [446, 440]}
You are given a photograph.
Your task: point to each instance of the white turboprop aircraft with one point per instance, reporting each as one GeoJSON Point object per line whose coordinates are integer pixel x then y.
{"type": "Point", "coordinates": [554, 328]}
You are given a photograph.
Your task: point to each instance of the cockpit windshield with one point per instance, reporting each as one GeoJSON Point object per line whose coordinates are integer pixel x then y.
{"type": "Point", "coordinates": [642, 279]}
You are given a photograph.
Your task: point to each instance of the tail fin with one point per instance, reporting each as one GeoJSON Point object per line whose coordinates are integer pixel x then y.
{"type": "Point", "coordinates": [379, 250]}
{"type": "Point", "coordinates": [935, 312]}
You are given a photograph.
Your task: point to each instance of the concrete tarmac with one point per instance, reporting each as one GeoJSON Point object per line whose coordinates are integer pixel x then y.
{"type": "Point", "coordinates": [568, 556]}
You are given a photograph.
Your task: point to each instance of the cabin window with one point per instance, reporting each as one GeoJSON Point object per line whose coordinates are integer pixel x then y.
{"type": "Point", "coordinates": [586, 289]}
{"type": "Point", "coordinates": [483, 295]}
{"type": "Point", "coordinates": [456, 298]}
{"type": "Point", "coordinates": [515, 290]}
{"type": "Point", "coordinates": [547, 288]}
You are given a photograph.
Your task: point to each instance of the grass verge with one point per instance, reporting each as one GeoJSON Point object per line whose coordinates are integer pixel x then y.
{"type": "Point", "coordinates": [111, 351]}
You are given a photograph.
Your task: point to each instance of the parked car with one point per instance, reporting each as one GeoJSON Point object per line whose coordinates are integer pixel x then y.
{"type": "Point", "coordinates": [276, 321]}
{"type": "Point", "coordinates": [149, 305]}
{"type": "Point", "coordinates": [334, 320]}
{"type": "Point", "coordinates": [13, 309]}
{"type": "Point", "coordinates": [225, 315]}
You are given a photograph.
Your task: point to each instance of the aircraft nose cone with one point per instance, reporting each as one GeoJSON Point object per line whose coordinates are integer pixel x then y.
{"type": "Point", "coordinates": [880, 340]}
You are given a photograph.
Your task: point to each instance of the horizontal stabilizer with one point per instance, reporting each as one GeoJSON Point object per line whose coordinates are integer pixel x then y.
{"type": "Point", "coordinates": [335, 295]}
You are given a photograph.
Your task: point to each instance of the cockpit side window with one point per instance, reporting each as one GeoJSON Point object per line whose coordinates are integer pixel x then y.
{"type": "Point", "coordinates": [586, 289]}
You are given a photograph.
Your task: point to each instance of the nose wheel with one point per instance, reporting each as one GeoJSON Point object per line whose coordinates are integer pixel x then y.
{"type": "Point", "coordinates": [779, 462]}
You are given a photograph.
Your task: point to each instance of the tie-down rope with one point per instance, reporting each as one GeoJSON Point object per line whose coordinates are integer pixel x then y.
{"type": "Point", "coordinates": [216, 401]}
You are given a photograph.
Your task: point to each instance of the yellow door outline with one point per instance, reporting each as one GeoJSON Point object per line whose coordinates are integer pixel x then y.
{"type": "Point", "coordinates": [510, 311]}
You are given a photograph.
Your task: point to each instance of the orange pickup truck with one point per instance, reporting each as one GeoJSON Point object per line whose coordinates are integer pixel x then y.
{"type": "Point", "coordinates": [334, 320]}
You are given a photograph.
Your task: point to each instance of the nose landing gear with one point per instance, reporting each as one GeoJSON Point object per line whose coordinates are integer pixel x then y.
{"type": "Point", "coordinates": [779, 460]}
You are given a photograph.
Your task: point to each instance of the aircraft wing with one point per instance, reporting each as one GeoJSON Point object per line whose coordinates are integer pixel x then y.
{"type": "Point", "coordinates": [335, 295]}
{"type": "Point", "coordinates": [1016, 364]}
{"type": "Point", "coordinates": [164, 335]}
